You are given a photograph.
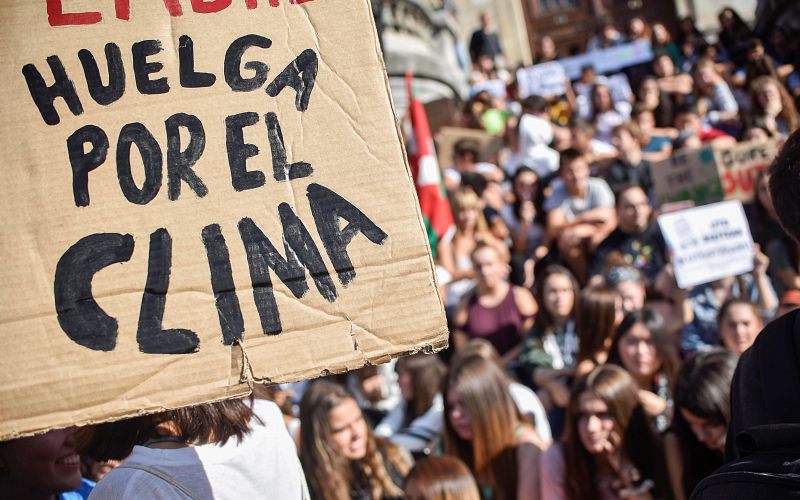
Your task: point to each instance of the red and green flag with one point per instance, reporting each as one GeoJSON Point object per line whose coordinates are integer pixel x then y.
{"type": "Point", "coordinates": [425, 168]}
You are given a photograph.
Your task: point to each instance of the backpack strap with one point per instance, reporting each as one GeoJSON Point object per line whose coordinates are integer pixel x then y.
{"type": "Point", "coordinates": [183, 489]}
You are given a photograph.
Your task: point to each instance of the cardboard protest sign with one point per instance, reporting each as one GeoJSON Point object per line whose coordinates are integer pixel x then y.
{"type": "Point", "coordinates": [448, 137]}
{"type": "Point", "coordinates": [198, 195]}
{"type": "Point", "coordinates": [708, 242]}
{"type": "Point", "coordinates": [739, 167]}
{"type": "Point", "coordinates": [546, 80]}
{"type": "Point", "coordinates": [687, 175]}
{"type": "Point", "coordinates": [708, 175]}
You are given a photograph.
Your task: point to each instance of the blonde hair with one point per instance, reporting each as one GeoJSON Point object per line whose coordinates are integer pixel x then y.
{"type": "Point", "coordinates": [466, 199]}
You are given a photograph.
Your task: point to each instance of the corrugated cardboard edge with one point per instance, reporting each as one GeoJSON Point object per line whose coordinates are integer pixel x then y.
{"type": "Point", "coordinates": [239, 358]}
{"type": "Point", "coordinates": [243, 387]}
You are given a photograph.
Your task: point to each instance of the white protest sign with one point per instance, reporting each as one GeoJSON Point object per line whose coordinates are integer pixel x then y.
{"type": "Point", "coordinates": [608, 60]}
{"type": "Point", "coordinates": [708, 242]}
{"type": "Point", "coordinates": [547, 80]}
{"type": "Point", "coordinates": [495, 88]}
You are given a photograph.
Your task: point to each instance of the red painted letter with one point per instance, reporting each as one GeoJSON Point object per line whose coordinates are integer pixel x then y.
{"type": "Point", "coordinates": [209, 6]}
{"type": "Point", "coordinates": [123, 8]}
{"type": "Point", "coordinates": [56, 16]}
{"type": "Point", "coordinates": [174, 7]}
{"type": "Point", "coordinates": [251, 4]}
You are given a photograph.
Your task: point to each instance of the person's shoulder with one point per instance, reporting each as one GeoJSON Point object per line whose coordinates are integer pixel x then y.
{"type": "Point", "coordinates": [598, 183]}
{"type": "Point", "coordinates": [523, 296]}
{"type": "Point", "coordinates": [553, 459]}
{"type": "Point", "coordinates": [267, 412]}
{"type": "Point", "coordinates": [597, 186]}
{"type": "Point", "coordinates": [123, 482]}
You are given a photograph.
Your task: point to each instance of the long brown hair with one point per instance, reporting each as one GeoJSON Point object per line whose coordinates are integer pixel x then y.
{"type": "Point", "coordinates": [427, 373]}
{"type": "Point", "coordinates": [617, 389]}
{"type": "Point", "coordinates": [491, 453]}
{"type": "Point", "coordinates": [330, 476]}
{"type": "Point", "coordinates": [596, 321]}
{"type": "Point", "coordinates": [544, 319]}
{"type": "Point", "coordinates": [662, 340]}
{"type": "Point", "coordinates": [789, 111]}
{"type": "Point", "coordinates": [441, 478]}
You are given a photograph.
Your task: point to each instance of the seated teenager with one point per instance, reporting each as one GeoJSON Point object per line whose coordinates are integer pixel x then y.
{"type": "Point", "coordinates": [636, 238]}
{"type": "Point", "coordinates": [599, 313]}
{"type": "Point", "coordinates": [550, 348]}
{"type": "Point", "coordinates": [484, 429]}
{"type": "Point", "coordinates": [341, 456]}
{"type": "Point", "coordinates": [580, 212]}
{"type": "Point", "coordinates": [630, 168]}
{"type": "Point", "coordinates": [417, 420]}
{"type": "Point", "coordinates": [706, 300]}
{"type": "Point", "coordinates": [495, 310]}
{"type": "Point", "coordinates": [656, 143]}
{"type": "Point", "coordinates": [695, 444]}
{"type": "Point", "coordinates": [528, 403]}
{"type": "Point", "coordinates": [609, 449]}
{"type": "Point", "coordinates": [739, 325]}
{"type": "Point", "coordinates": [644, 347]}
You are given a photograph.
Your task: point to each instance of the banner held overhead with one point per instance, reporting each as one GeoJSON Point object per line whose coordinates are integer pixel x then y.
{"type": "Point", "coordinates": [199, 195]}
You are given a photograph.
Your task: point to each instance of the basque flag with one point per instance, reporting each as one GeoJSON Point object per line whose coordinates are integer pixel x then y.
{"type": "Point", "coordinates": [425, 168]}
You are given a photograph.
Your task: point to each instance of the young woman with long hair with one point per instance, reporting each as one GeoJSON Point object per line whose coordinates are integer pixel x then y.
{"type": "Point", "coordinates": [609, 449]}
{"type": "Point", "coordinates": [643, 346]}
{"type": "Point", "coordinates": [528, 403]}
{"type": "Point", "coordinates": [418, 419]}
{"type": "Point", "coordinates": [495, 310]}
{"type": "Point", "coordinates": [607, 114]}
{"type": "Point", "coordinates": [599, 313]}
{"type": "Point", "coordinates": [342, 458]}
{"type": "Point", "coordinates": [733, 36]}
{"type": "Point", "coordinates": [550, 348]}
{"type": "Point", "coordinates": [485, 430]}
{"type": "Point", "coordinates": [695, 444]}
{"type": "Point", "coordinates": [771, 107]}
{"type": "Point", "coordinates": [454, 254]}
{"type": "Point", "coordinates": [713, 97]}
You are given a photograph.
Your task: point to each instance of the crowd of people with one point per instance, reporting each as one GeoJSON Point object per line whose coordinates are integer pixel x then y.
{"type": "Point", "coordinates": [578, 367]}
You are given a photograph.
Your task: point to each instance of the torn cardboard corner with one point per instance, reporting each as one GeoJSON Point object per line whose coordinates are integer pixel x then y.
{"type": "Point", "coordinates": [185, 182]}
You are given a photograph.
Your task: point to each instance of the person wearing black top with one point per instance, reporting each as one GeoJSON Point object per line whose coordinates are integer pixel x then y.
{"type": "Point", "coordinates": [637, 238]}
{"type": "Point", "coordinates": [630, 168]}
{"type": "Point", "coordinates": [484, 42]}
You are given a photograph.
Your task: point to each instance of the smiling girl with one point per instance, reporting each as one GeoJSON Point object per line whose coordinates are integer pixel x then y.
{"type": "Point", "coordinates": [40, 467]}
{"type": "Point", "coordinates": [340, 455]}
{"type": "Point", "coordinates": [609, 449]}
